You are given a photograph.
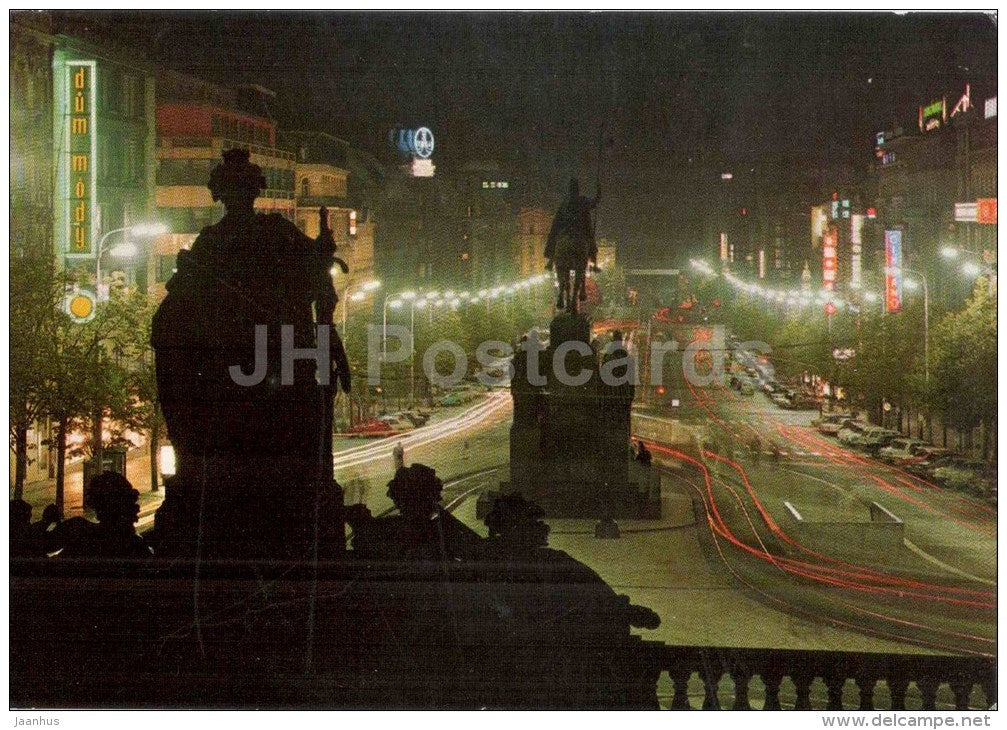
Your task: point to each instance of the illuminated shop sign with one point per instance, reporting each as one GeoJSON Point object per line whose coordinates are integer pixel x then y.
{"type": "Point", "coordinates": [990, 108]}
{"type": "Point", "coordinates": [983, 210]}
{"type": "Point", "coordinates": [422, 168]}
{"type": "Point", "coordinates": [856, 250]}
{"type": "Point", "coordinates": [723, 247]}
{"type": "Point", "coordinates": [830, 259]}
{"type": "Point", "coordinates": [893, 271]}
{"type": "Point", "coordinates": [964, 103]}
{"type": "Point", "coordinates": [986, 210]}
{"type": "Point", "coordinates": [966, 212]}
{"type": "Point", "coordinates": [819, 222]}
{"type": "Point", "coordinates": [80, 163]}
{"type": "Point", "coordinates": [415, 142]}
{"type": "Point", "coordinates": [933, 116]}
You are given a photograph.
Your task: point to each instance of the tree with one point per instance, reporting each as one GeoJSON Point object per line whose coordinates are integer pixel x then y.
{"type": "Point", "coordinates": [83, 377]}
{"type": "Point", "coordinates": [36, 293]}
{"type": "Point", "coordinates": [963, 365]}
{"type": "Point", "coordinates": [145, 409]}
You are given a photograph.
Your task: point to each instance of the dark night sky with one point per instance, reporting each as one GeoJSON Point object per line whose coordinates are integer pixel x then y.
{"type": "Point", "coordinates": [681, 95]}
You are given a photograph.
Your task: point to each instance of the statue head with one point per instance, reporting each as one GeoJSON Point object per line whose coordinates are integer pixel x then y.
{"type": "Point", "coordinates": [115, 502]}
{"type": "Point", "coordinates": [236, 182]}
{"type": "Point", "coordinates": [416, 491]}
{"type": "Point", "coordinates": [517, 522]}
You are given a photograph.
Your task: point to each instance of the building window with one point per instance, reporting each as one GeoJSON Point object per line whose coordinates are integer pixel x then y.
{"type": "Point", "coordinates": [305, 188]}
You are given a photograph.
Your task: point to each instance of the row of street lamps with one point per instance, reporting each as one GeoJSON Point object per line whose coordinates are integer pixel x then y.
{"type": "Point", "coordinates": [804, 297]}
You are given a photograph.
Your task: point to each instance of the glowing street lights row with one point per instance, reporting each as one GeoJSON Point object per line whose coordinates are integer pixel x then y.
{"type": "Point", "coordinates": [456, 299]}
{"type": "Point", "coordinates": [794, 298]}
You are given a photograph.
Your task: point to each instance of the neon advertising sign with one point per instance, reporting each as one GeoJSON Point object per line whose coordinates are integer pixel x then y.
{"type": "Point", "coordinates": [893, 271]}
{"type": "Point", "coordinates": [81, 142]}
{"type": "Point", "coordinates": [830, 258]}
{"type": "Point", "coordinates": [933, 116]}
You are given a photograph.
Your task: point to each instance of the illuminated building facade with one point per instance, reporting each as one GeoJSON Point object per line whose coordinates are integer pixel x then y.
{"type": "Point", "coordinates": [196, 122]}
{"type": "Point", "coordinates": [31, 145]}
{"type": "Point", "coordinates": [322, 178]}
{"type": "Point", "coordinates": [103, 154]}
{"type": "Point", "coordinates": [533, 226]}
{"type": "Point", "coordinates": [490, 227]}
{"type": "Point", "coordinates": [927, 170]}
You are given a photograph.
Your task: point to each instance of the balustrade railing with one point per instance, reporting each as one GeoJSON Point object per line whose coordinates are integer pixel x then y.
{"type": "Point", "coordinates": [712, 678]}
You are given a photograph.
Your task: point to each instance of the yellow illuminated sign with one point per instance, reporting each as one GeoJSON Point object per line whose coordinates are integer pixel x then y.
{"type": "Point", "coordinates": [81, 144]}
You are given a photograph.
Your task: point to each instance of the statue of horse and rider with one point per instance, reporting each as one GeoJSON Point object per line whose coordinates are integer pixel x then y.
{"type": "Point", "coordinates": [571, 246]}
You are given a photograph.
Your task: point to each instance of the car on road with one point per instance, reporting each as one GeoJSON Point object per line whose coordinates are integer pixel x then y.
{"type": "Point", "coordinates": [899, 450]}
{"type": "Point", "coordinates": [451, 399]}
{"type": "Point", "coordinates": [781, 399]}
{"type": "Point", "coordinates": [398, 422]}
{"type": "Point", "coordinates": [417, 418]}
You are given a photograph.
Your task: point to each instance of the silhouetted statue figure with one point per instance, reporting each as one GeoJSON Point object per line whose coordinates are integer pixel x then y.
{"type": "Point", "coordinates": [516, 524]}
{"type": "Point", "coordinates": [117, 507]}
{"type": "Point", "coordinates": [252, 431]}
{"type": "Point", "coordinates": [25, 542]}
{"type": "Point", "coordinates": [422, 530]}
{"type": "Point", "coordinates": [571, 245]}
{"type": "Point", "coordinates": [643, 454]}
{"type": "Point", "coordinates": [48, 528]}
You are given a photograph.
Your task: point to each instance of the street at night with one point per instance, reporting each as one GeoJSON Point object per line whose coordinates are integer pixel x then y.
{"type": "Point", "coordinates": [504, 360]}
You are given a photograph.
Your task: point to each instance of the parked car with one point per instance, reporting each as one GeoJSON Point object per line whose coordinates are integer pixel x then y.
{"type": "Point", "coordinates": [928, 460]}
{"type": "Point", "coordinates": [374, 428]}
{"type": "Point", "coordinates": [899, 450]}
{"type": "Point", "coordinates": [875, 437]}
{"type": "Point", "coordinates": [803, 402]}
{"type": "Point", "coordinates": [781, 400]}
{"type": "Point", "coordinates": [850, 432]}
{"type": "Point", "coordinates": [830, 425]}
{"type": "Point", "coordinates": [960, 473]}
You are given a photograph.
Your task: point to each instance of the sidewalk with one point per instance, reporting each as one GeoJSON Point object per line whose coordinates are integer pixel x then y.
{"type": "Point", "coordinates": [43, 491]}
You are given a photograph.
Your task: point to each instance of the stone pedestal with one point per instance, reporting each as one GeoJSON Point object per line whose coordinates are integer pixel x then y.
{"type": "Point", "coordinates": [570, 440]}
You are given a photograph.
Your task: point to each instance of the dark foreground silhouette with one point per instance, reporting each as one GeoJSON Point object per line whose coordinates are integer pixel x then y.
{"type": "Point", "coordinates": [422, 612]}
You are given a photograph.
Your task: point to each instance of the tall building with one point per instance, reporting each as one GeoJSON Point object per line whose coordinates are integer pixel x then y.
{"type": "Point", "coordinates": [533, 226]}
{"type": "Point", "coordinates": [103, 154]}
{"type": "Point", "coordinates": [322, 179]}
{"type": "Point", "coordinates": [31, 143]}
{"type": "Point", "coordinates": [486, 195]}
{"type": "Point", "coordinates": [927, 171]}
{"type": "Point", "coordinates": [196, 122]}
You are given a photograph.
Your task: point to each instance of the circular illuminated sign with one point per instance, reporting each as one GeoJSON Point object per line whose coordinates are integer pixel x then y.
{"type": "Point", "coordinates": [423, 142]}
{"type": "Point", "coordinates": [80, 305]}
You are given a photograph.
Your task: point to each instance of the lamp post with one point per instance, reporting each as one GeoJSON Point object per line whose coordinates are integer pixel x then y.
{"type": "Point", "coordinates": [973, 268]}
{"type": "Point", "coordinates": [926, 321]}
{"type": "Point", "coordinates": [126, 249]}
{"type": "Point", "coordinates": [391, 298]}
{"type": "Point", "coordinates": [367, 286]}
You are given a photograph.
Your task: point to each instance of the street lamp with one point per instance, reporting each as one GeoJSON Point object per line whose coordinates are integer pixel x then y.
{"type": "Point", "coordinates": [123, 250]}
{"type": "Point", "coordinates": [367, 286]}
{"type": "Point", "coordinates": [911, 285]}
